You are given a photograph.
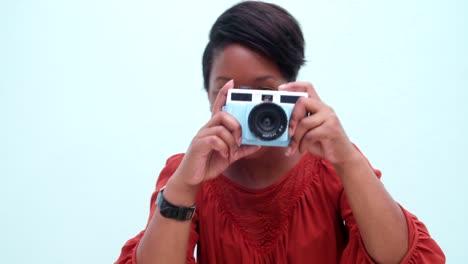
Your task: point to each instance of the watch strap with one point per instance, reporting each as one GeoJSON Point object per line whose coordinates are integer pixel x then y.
{"type": "Point", "coordinates": [169, 210]}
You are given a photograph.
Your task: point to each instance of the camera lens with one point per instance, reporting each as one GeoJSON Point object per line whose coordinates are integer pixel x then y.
{"type": "Point", "coordinates": [267, 121]}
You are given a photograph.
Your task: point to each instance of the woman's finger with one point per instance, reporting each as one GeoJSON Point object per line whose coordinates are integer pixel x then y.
{"type": "Point", "coordinates": [300, 86]}
{"type": "Point", "coordinates": [224, 134]}
{"type": "Point", "coordinates": [244, 151]}
{"type": "Point", "coordinates": [303, 108]}
{"type": "Point", "coordinates": [230, 122]}
{"type": "Point", "coordinates": [305, 125]}
{"type": "Point", "coordinates": [221, 98]}
{"type": "Point", "coordinates": [311, 141]}
{"type": "Point", "coordinates": [215, 143]}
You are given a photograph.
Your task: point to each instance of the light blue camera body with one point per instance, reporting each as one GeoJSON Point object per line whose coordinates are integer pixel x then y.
{"type": "Point", "coordinates": [263, 115]}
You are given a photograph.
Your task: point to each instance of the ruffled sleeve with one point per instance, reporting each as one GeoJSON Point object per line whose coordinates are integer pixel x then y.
{"type": "Point", "coordinates": [128, 253]}
{"type": "Point", "coordinates": [422, 248]}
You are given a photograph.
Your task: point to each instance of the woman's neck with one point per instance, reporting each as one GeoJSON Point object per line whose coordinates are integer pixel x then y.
{"type": "Point", "coordinates": [263, 168]}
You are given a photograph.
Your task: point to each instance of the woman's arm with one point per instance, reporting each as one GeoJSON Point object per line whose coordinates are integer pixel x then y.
{"type": "Point", "coordinates": [420, 248]}
{"type": "Point", "coordinates": [142, 245]}
{"type": "Point", "coordinates": [212, 150]}
{"type": "Point", "coordinates": [380, 220]}
{"type": "Point", "coordinates": [314, 127]}
{"type": "Point", "coordinates": [166, 240]}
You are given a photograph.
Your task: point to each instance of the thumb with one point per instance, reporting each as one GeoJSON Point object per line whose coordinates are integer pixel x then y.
{"type": "Point", "coordinates": [245, 150]}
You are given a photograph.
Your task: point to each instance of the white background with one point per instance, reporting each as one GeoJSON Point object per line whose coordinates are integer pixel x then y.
{"type": "Point", "coordinates": [95, 95]}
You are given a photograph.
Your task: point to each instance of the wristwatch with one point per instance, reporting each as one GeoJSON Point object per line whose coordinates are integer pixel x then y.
{"type": "Point", "coordinates": [171, 211]}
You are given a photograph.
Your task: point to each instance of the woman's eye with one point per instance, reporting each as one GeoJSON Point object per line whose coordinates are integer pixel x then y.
{"type": "Point", "coordinates": [215, 92]}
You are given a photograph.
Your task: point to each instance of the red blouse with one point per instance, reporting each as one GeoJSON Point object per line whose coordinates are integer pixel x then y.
{"type": "Point", "coordinates": [302, 218]}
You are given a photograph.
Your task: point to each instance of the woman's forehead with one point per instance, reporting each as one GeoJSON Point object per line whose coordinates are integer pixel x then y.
{"type": "Point", "coordinates": [236, 60]}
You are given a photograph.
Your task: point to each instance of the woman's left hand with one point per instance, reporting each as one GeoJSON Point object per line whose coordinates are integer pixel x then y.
{"type": "Point", "coordinates": [314, 127]}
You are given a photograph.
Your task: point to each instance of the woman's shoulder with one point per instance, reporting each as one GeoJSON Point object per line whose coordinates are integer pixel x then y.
{"type": "Point", "coordinates": [172, 163]}
{"type": "Point", "coordinates": [175, 159]}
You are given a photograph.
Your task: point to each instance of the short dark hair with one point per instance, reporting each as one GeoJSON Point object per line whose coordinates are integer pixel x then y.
{"type": "Point", "coordinates": [263, 27]}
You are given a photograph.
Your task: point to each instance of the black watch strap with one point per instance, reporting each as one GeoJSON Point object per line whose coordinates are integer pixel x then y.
{"type": "Point", "coordinates": [171, 211]}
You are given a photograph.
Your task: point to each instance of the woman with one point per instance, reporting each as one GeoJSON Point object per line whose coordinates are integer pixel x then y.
{"type": "Point", "coordinates": [316, 201]}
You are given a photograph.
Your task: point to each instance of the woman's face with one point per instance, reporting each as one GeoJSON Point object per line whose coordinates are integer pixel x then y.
{"type": "Point", "coordinates": [245, 67]}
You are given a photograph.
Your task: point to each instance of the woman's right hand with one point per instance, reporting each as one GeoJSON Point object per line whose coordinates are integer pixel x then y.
{"type": "Point", "coordinates": [215, 147]}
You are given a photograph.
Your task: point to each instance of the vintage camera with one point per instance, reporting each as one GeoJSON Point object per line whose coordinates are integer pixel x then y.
{"type": "Point", "coordinates": [263, 114]}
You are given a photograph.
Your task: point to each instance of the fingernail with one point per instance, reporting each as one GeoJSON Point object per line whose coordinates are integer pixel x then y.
{"type": "Point", "coordinates": [239, 142]}
{"type": "Point", "coordinates": [281, 87]}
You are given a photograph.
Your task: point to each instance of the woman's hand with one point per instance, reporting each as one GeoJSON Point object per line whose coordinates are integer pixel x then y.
{"type": "Point", "coordinates": [314, 127]}
{"type": "Point", "coordinates": [216, 145]}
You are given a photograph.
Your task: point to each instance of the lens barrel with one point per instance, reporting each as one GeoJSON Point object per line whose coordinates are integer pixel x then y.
{"type": "Point", "coordinates": [267, 121]}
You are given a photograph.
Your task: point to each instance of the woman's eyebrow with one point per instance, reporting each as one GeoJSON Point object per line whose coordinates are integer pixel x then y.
{"type": "Point", "coordinates": [265, 78]}
{"type": "Point", "coordinates": [257, 79]}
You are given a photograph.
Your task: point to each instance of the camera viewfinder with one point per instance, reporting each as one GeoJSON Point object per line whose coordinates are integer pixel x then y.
{"type": "Point", "coordinates": [241, 97]}
{"type": "Point", "coordinates": [267, 97]}
{"type": "Point", "coordinates": [289, 99]}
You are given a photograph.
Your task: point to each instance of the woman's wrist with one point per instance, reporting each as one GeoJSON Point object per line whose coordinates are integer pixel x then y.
{"type": "Point", "coordinates": [354, 161]}
{"type": "Point", "coordinates": [180, 193]}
